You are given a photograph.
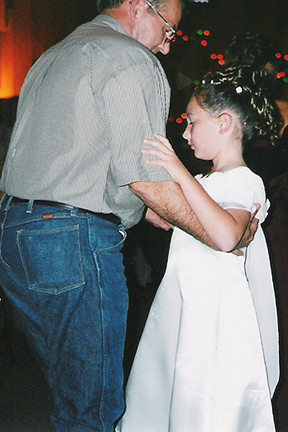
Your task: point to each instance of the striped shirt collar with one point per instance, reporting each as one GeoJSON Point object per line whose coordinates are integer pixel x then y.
{"type": "Point", "coordinates": [108, 21]}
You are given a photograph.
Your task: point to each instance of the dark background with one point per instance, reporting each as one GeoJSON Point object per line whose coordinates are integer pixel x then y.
{"type": "Point", "coordinates": [32, 27]}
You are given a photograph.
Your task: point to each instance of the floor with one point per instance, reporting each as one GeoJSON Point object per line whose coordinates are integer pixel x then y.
{"type": "Point", "coordinates": [26, 403]}
{"type": "Point", "coordinates": [25, 399]}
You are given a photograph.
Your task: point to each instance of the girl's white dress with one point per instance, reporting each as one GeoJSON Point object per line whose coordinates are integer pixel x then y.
{"type": "Point", "coordinates": [208, 357]}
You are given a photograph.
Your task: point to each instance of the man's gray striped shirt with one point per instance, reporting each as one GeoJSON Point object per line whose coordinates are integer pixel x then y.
{"type": "Point", "coordinates": [84, 110]}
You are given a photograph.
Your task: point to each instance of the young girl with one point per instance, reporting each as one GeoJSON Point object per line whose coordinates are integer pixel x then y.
{"type": "Point", "coordinates": [208, 357]}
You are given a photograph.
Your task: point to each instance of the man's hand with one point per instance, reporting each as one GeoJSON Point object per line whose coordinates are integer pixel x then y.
{"type": "Point", "coordinates": [168, 201]}
{"type": "Point", "coordinates": [249, 233]}
{"type": "Point", "coordinates": [251, 228]}
{"type": "Point", "coordinates": [155, 220]}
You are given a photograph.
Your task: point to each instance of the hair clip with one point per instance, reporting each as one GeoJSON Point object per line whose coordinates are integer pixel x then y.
{"type": "Point", "coordinates": [239, 90]}
{"type": "Point", "coordinates": [209, 82]}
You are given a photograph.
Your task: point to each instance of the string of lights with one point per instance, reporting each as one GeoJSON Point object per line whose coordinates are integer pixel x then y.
{"type": "Point", "coordinates": [203, 35]}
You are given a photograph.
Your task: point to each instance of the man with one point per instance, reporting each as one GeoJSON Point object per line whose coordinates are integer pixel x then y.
{"type": "Point", "coordinates": [71, 183]}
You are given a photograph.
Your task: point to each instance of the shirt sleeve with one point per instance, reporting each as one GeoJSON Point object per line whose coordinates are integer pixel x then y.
{"type": "Point", "coordinates": [136, 106]}
{"type": "Point", "coordinates": [238, 189]}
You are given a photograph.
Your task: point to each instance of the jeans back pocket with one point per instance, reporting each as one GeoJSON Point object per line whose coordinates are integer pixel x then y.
{"type": "Point", "coordinates": [52, 259]}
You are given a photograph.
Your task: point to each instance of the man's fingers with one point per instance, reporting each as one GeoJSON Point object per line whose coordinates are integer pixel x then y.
{"type": "Point", "coordinates": [255, 211]}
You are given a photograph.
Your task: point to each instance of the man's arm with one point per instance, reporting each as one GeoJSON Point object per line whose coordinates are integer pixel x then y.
{"type": "Point", "coordinates": [169, 202]}
{"type": "Point", "coordinates": [154, 219]}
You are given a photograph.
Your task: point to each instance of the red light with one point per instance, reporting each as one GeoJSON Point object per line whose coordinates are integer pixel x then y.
{"type": "Point", "coordinates": [221, 62]}
{"type": "Point", "coordinates": [179, 120]}
{"type": "Point", "coordinates": [286, 57]}
{"type": "Point", "coordinates": [220, 56]}
{"type": "Point", "coordinates": [278, 55]}
{"type": "Point", "coordinates": [213, 56]}
{"type": "Point", "coordinates": [281, 74]}
{"type": "Point", "coordinates": [184, 116]}
{"type": "Point", "coordinates": [207, 33]}
{"type": "Point", "coordinates": [204, 43]}
{"type": "Point", "coordinates": [179, 33]}
{"type": "Point", "coordinates": [185, 38]}
{"type": "Point", "coordinates": [170, 119]}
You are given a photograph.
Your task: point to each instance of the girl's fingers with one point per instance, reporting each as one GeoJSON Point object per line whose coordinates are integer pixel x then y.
{"type": "Point", "coordinates": [158, 153]}
{"type": "Point", "coordinates": [164, 140]}
{"type": "Point", "coordinates": [162, 147]}
{"type": "Point", "coordinates": [153, 152]}
{"type": "Point", "coordinates": [154, 143]}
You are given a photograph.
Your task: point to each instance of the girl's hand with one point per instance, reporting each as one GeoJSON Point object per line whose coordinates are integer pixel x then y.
{"type": "Point", "coordinates": [167, 158]}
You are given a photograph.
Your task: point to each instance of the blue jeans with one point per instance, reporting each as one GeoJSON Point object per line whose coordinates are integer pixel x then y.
{"type": "Point", "coordinates": [63, 272]}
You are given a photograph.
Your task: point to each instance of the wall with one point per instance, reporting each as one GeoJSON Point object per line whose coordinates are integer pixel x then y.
{"type": "Point", "coordinates": [15, 46]}
{"type": "Point", "coordinates": [27, 29]}
{"type": "Point", "coordinates": [35, 25]}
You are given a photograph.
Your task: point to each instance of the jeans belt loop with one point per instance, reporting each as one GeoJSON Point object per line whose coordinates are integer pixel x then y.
{"type": "Point", "coordinates": [74, 211]}
{"type": "Point", "coordinates": [110, 217]}
{"type": "Point", "coordinates": [6, 201]}
{"type": "Point", "coordinates": [30, 206]}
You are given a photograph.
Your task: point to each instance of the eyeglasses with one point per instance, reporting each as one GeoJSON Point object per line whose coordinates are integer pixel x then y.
{"type": "Point", "coordinates": [170, 34]}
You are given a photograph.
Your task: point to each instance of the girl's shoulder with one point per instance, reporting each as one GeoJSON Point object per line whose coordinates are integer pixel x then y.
{"type": "Point", "coordinates": [237, 188]}
{"type": "Point", "coordinates": [237, 174]}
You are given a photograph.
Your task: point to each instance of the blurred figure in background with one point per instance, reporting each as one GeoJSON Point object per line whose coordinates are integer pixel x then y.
{"type": "Point", "coordinates": [271, 163]}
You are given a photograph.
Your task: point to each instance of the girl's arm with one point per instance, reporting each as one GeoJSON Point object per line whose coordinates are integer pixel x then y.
{"type": "Point", "coordinates": [224, 227]}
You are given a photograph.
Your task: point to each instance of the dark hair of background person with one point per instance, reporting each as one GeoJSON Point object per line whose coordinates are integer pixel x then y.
{"type": "Point", "coordinates": [260, 51]}
{"type": "Point", "coordinates": [255, 49]}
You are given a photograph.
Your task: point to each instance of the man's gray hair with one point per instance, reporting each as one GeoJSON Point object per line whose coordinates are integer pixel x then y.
{"type": "Point", "coordinates": [112, 4]}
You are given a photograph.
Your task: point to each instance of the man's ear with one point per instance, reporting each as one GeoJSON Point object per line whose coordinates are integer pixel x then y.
{"type": "Point", "coordinates": [135, 7]}
{"type": "Point", "coordinates": [225, 122]}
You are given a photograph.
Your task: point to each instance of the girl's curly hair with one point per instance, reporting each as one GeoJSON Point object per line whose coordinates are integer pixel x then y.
{"type": "Point", "coordinates": [248, 92]}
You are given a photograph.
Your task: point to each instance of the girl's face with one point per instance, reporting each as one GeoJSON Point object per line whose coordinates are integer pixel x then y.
{"type": "Point", "coordinates": [202, 132]}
